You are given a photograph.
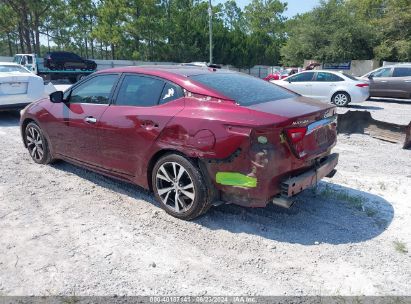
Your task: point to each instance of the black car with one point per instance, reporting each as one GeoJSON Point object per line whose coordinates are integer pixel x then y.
{"type": "Point", "coordinates": [67, 60]}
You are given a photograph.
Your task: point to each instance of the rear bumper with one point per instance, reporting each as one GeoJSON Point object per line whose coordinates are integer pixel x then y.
{"type": "Point", "coordinates": [277, 189]}
{"type": "Point", "coordinates": [359, 95]}
{"type": "Point", "coordinates": [295, 185]}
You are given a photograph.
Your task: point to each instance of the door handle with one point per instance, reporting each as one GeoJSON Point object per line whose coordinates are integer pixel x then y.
{"type": "Point", "coordinates": [90, 120]}
{"type": "Point", "coordinates": [383, 80]}
{"type": "Point", "coordinates": [407, 80]}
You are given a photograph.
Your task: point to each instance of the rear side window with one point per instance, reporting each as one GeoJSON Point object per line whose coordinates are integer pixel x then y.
{"type": "Point", "coordinates": [56, 55]}
{"type": "Point", "coordinates": [328, 77]}
{"type": "Point", "coordinates": [301, 77]}
{"type": "Point", "coordinates": [170, 92]}
{"type": "Point", "coordinates": [245, 90]}
{"type": "Point", "coordinates": [401, 72]}
{"type": "Point", "coordinates": [139, 91]}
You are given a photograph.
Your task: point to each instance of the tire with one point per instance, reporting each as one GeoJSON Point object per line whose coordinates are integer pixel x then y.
{"type": "Point", "coordinates": [188, 186]}
{"type": "Point", "coordinates": [37, 144]}
{"type": "Point", "coordinates": [341, 99]}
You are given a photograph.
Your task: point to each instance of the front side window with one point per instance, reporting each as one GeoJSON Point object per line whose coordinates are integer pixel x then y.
{"type": "Point", "coordinates": [385, 72]}
{"type": "Point", "coordinates": [97, 90]}
{"type": "Point", "coordinates": [301, 77]}
{"type": "Point", "coordinates": [402, 72]}
{"type": "Point", "coordinates": [328, 77]}
{"type": "Point", "coordinates": [244, 89]}
{"type": "Point", "coordinates": [139, 91]}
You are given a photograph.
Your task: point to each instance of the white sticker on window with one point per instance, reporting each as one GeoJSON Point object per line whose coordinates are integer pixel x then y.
{"type": "Point", "coordinates": [170, 93]}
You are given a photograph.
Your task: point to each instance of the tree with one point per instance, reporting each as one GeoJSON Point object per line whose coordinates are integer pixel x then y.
{"type": "Point", "coordinates": [329, 33]}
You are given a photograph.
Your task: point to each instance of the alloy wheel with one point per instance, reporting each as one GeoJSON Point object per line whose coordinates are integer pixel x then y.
{"type": "Point", "coordinates": [341, 99]}
{"type": "Point", "coordinates": [175, 187]}
{"type": "Point", "coordinates": [35, 143]}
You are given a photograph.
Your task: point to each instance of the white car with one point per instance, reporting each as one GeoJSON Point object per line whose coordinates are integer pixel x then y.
{"type": "Point", "coordinates": [18, 86]}
{"type": "Point", "coordinates": [329, 86]}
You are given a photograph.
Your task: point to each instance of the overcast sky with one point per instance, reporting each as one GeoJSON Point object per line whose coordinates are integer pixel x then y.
{"type": "Point", "coordinates": [294, 6]}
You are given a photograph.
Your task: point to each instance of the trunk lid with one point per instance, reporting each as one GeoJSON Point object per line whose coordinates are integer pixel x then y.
{"type": "Point", "coordinates": [13, 84]}
{"type": "Point", "coordinates": [310, 128]}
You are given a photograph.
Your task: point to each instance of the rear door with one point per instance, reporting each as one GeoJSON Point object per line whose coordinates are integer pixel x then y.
{"type": "Point", "coordinates": [324, 85]}
{"type": "Point", "coordinates": [142, 108]}
{"type": "Point", "coordinates": [380, 84]}
{"type": "Point", "coordinates": [401, 82]}
{"type": "Point", "coordinates": [75, 124]}
{"type": "Point", "coordinates": [301, 83]}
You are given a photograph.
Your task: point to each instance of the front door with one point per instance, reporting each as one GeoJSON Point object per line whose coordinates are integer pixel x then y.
{"type": "Point", "coordinates": [142, 108]}
{"type": "Point", "coordinates": [301, 83]}
{"type": "Point", "coordinates": [380, 83]}
{"type": "Point", "coordinates": [74, 129]}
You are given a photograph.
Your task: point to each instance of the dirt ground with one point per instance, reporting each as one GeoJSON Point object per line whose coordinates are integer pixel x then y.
{"type": "Point", "coordinates": [67, 231]}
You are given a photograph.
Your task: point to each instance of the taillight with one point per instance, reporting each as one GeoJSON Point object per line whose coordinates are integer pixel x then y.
{"type": "Point", "coordinates": [296, 134]}
{"type": "Point", "coordinates": [362, 85]}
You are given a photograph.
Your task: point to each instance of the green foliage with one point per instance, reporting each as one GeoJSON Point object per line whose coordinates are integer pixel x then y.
{"type": "Point", "coordinates": [177, 30]}
{"type": "Point", "coordinates": [329, 33]}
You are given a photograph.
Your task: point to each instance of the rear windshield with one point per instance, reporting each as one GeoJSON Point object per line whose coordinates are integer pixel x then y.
{"type": "Point", "coordinates": [12, 68]}
{"type": "Point", "coordinates": [349, 76]}
{"type": "Point", "coordinates": [245, 90]}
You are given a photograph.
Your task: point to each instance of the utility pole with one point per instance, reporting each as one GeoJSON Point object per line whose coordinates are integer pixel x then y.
{"type": "Point", "coordinates": [210, 28]}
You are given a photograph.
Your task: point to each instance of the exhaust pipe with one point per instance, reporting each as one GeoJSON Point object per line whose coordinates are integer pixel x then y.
{"type": "Point", "coordinates": [284, 202]}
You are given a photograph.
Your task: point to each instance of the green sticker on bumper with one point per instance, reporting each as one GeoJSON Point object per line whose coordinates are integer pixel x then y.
{"type": "Point", "coordinates": [236, 179]}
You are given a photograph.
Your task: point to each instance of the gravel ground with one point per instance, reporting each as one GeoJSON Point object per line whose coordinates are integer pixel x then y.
{"type": "Point", "coordinates": [384, 109]}
{"type": "Point", "coordinates": [66, 230]}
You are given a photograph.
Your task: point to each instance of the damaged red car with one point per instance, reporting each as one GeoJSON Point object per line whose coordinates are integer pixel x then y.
{"type": "Point", "coordinates": [195, 136]}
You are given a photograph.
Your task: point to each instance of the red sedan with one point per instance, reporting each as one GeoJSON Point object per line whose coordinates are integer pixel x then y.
{"type": "Point", "coordinates": [196, 137]}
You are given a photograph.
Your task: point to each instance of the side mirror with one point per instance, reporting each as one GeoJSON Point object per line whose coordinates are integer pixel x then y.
{"type": "Point", "coordinates": [371, 76]}
{"type": "Point", "coordinates": [56, 97]}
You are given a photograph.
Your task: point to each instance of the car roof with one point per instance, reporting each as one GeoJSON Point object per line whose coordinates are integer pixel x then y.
{"type": "Point", "coordinates": [399, 65]}
{"type": "Point", "coordinates": [170, 70]}
{"type": "Point", "coordinates": [178, 74]}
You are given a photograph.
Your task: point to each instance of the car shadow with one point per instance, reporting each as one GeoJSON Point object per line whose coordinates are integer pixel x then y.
{"type": "Point", "coordinates": [390, 100]}
{"type": "Point", "coordinates": [331, 214]}
{"type": "Point", "coordinates": [360, 107]}
{"type": "Point", "coordinates": [9, 118]}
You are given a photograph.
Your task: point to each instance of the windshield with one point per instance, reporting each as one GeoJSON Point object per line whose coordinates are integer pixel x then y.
{"type": "Point", "coordinates": [12, 69]}
{"type": "Point", "coordinates": [245, 90]}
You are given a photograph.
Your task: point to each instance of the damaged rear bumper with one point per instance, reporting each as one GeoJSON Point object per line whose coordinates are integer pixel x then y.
{"type": "Point", "coordinates": [295, 185]}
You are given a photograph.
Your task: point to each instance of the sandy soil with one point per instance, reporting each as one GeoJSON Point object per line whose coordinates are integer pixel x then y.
{"type": "Point", "coordinates": [66, 230]}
